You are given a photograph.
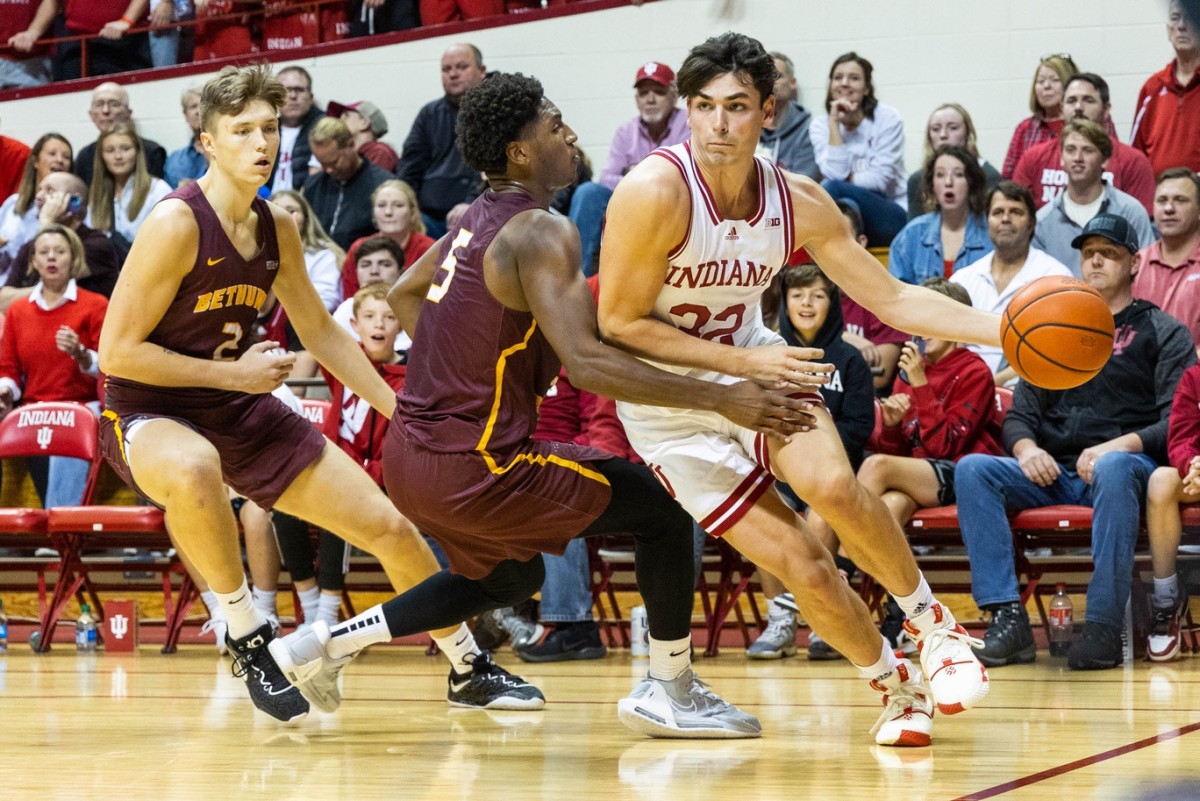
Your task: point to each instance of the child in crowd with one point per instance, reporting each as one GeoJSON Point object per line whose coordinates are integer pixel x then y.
{"type": "Point", "coordinates": [1170, 486]}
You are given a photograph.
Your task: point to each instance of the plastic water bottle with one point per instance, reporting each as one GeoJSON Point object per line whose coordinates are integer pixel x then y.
{"type": "Point", "coordinates": [3, 629]}
{"type": "Point", "coordinates": [85, 630]}
{"type": "Point", "coordinates": [639, 632]}
{"type": "Point", "coordinates": [1062, 621]}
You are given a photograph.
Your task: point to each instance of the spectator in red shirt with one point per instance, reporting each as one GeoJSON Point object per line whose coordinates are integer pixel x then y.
{"type": "Point", "coordinates": [114, 50]}
{"type": "Point", "coordinates": [13, 155]}
{"type": "Point", "coordinates": [1169, 269]}
{"type": "Point", "coordinates": [22, 24]}
{"type": "Point", "coordinates": [48, 352]}
{"type": "Point", "coordinates": [367, 123]}
{"type": "Point", "coordinates": [435, 12]}
{"type": "Point", "coordinates": [1168, 107]}
{"type": "Point", "coordinates": [1040, 169]}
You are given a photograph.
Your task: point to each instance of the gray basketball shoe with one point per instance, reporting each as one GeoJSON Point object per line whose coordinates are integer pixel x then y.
{"type": "Point", "coordinates": [303, 658]}
{"type": "Point", "coordinates": [684, 707]}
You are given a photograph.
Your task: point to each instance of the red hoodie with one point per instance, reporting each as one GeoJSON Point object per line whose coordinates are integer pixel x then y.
{"type": "Point", "coordinates": [355, 425]}
{"type": "Point", "coordinates": [1183, 430]}
{"type": "Point", "coordinates": [951, 416]}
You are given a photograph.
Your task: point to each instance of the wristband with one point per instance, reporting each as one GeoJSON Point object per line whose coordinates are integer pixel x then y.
{"type": "Point", "coordinates": [126, 20]}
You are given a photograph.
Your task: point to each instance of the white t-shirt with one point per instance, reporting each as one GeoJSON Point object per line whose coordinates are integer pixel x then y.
{"type": "Point", "coordinates": [977, 280]}
{"type": "Point", "coordinates": [121, 223]}
{"type": "Point", "coordinates": [1081, 215]}
{"type": "Point", "coordinates": [326, 276]}
{"type": "Point", "coordinates": [283, 170]}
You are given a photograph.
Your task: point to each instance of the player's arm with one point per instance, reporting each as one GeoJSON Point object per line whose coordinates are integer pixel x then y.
{"type": "Point", "coordinates": [646, 218]}
{"type": "Point", "coordinates": [821, 228]}
{"type": "Point", "coordinates": [544, 250]}
{"type": "Point", "coordinates": [328, 342]}
{"type": "Point", "coordinates": [162, 254]}
{"type": "Point", "coordinates": [407, 295]}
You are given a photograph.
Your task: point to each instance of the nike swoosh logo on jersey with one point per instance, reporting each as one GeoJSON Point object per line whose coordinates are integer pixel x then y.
{"type": "Point", "coordinates": [213, 262]}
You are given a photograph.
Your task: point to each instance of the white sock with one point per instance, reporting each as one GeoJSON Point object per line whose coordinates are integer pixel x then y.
{"type": "Point", "coordinates": [210, 600]}
{"type": "Point", "coordinates": [368, 628]}
{"type": "Point", "coordinates": [309, 600]}
{"type": "Point", "coordinates": [328, 607]}
{"type": "Point", "coordinates": [669, 658]}
{"type": "Point", "coordinates": [458, 645]}
{"type": "Point", "coordinates": [1166, 591]}
{"type": "Point", "coordinates": [264, 602]}
{"type": "Point", "coordinates": [239, 611]}
{"type": "Point", "coordinates": [916, 603]}
{"type": "Point", "coordinates": [777, 612]}
{"type": "Point", "coordinates": [882, 667]}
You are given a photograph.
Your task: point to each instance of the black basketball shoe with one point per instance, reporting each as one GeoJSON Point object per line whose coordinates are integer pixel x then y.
{"type": "Point", "coordinates": [488, 686]}
{"type": "Point", "coordinates": [269, 690]}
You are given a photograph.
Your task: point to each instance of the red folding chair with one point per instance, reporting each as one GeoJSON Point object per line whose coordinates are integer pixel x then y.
{"type": "Point", "coordinates": [75, 529]}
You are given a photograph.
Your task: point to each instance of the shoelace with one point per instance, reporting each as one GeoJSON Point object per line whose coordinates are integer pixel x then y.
{"type": "Point", "coordinates": [908, 694]}
{"type": "Point", "coordinates": [210, 625]}
{"type": "Point", "coordinates": [933, 639]}
{"type": "Point", "coordinates": [779, 628]}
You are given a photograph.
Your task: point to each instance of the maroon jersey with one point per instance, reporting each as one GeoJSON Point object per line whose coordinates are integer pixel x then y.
{"type": "Point", "coordinates": [477, 370]}
{"type": "Point", "coordinates": [216, 307]}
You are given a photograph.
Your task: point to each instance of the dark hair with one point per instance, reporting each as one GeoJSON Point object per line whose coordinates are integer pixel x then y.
{"type": "Point", "coordinates": [376, 244]}
{"type": "Point", "coordinates": [234, 88]}
{"type": "Point", "coordinates": [493, 114]}
{"type": "Point", "coordinates": [27, 189]}
{"type": "Point", "coordinates": [806, 275]}
{"type": "Point", "coordinates": [1091, 131]}
{"type": "Point", "coordinates": [948, 288]}
{"type": "Point", "coordinates": [296, 68]}
{"type": "Point", "coordinates": [1180, 172]}
{"type": "Point", "coordinates": [1092, 78]}
{"type": "Point", "coordinates": [728, 53]}
{"type": "Point", "coordinates": [850, 210]}
{"type": "Point", "coordinates": [1013, 191]}
{"type": "Point", "coordinates": [870, 102]}
{"type": "Point", "coordinates": [976, 180]}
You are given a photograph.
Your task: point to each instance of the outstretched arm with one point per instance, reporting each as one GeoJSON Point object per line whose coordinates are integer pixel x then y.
{"type": "Point", "coordinates": [821, 228]}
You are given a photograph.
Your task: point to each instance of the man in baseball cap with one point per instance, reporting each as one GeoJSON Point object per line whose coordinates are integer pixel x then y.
{"type": "Point", "coordinates": [367, 123]}
{"type": "Point", "coordinates": [1112, 227]}
{"type": "Point", "coordinates": [656, 72]}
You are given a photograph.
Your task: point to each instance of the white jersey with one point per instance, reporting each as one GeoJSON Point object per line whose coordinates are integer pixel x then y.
{"type": "Point", "coordinates": [717, 274]}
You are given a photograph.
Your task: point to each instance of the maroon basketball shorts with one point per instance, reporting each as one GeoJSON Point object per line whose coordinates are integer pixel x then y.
{"type": "Point", "coordinates": [262, 443]}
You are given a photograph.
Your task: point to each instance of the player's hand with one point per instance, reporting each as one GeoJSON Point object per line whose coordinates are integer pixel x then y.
{"type": "Point", "coordinates": [894, 407]}
{"type": "Point", "coordinates": [265, 366]}
{"type": "Point", "coordinates": [912, 362]}
{"type": "Point", "coordinates": [784, 367]}
{"type": "Point", "coordinates": [766, 411]}
{"type": "Point", "coordinates": [1038, 466]}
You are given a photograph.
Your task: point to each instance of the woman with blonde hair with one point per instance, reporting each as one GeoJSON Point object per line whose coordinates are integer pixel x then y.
{"type": "Point", "coordinates": [123, 190]}
{"type": "Point", "coordinates": [322, 256]}
{"type": "Point", "coordinates": [949, 124]}
{"type": "Point", "coordinates": [48, 351]}
{"type": "Point", "coordinates": [397, 216]}
{"type": "Point", "coordinates": [19, 214]}
{"type": "Point", "coordinates": [1046, 102]}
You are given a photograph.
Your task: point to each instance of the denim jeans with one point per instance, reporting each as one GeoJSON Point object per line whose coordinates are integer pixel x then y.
{"type": "Point", "coordinates": [588, 205]}
{"type": "Point", "coordinates": [882, 217]}
{"type": "Point", "coordinates": [567, 589]}
{"type": "Point", "coordinates": [989, 487]}
{"type": "Point", "coordinates": [164, 47]}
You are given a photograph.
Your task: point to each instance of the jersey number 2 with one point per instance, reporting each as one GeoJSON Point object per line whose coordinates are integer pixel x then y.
{"type": "Point", "coordinates": [230, 345]}
{"type": "Point", "coordinates": [438, 290]}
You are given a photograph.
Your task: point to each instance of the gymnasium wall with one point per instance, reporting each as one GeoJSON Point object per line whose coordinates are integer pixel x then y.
{"type": "Point", "coordinates": [982, 55]}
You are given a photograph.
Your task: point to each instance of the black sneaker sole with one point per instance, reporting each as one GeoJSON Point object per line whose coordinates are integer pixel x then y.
{"type": "Point", "coordinates": [591, 652]}
{"type": "Point", "coordinates": [1022, 657]}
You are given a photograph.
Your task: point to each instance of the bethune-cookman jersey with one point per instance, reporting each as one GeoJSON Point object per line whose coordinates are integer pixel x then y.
{"type": "Point", "coordinates": [717, 274]}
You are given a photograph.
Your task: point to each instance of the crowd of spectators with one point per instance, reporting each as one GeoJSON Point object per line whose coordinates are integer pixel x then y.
{"type": "Point", "coordinates": [1070, 199]}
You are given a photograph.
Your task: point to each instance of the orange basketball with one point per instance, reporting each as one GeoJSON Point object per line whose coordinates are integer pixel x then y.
{"type": "Point", "coordinates": [1057, 332]}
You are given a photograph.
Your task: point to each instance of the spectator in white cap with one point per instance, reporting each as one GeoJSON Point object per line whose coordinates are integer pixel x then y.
{"type": "Point", "coordinates": [660, 122]}
{"type": "Point", "coordinates": [368, 125]}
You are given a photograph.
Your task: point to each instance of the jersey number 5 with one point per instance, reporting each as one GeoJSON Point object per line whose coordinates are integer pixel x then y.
{"type": "Point", "coordinates": [438, 289]}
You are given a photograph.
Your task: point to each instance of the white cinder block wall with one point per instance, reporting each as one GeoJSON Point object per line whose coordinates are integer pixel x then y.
{"type": "Point", "coordinates": [925, 52]}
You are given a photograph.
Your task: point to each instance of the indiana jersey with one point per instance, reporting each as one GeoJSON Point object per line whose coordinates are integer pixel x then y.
{"type": "Point", "coordinates": [717, 274]}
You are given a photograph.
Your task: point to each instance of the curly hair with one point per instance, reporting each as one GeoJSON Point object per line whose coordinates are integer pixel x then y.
{"type": "Point", "coordinates": [493, 114]}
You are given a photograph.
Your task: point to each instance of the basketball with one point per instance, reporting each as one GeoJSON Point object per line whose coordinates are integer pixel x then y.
{"type": "Point", "coordinates": [1057, 332]}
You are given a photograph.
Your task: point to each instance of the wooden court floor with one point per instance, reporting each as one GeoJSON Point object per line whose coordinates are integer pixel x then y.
{"type": "Point", "coordinates": [148, 726]}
